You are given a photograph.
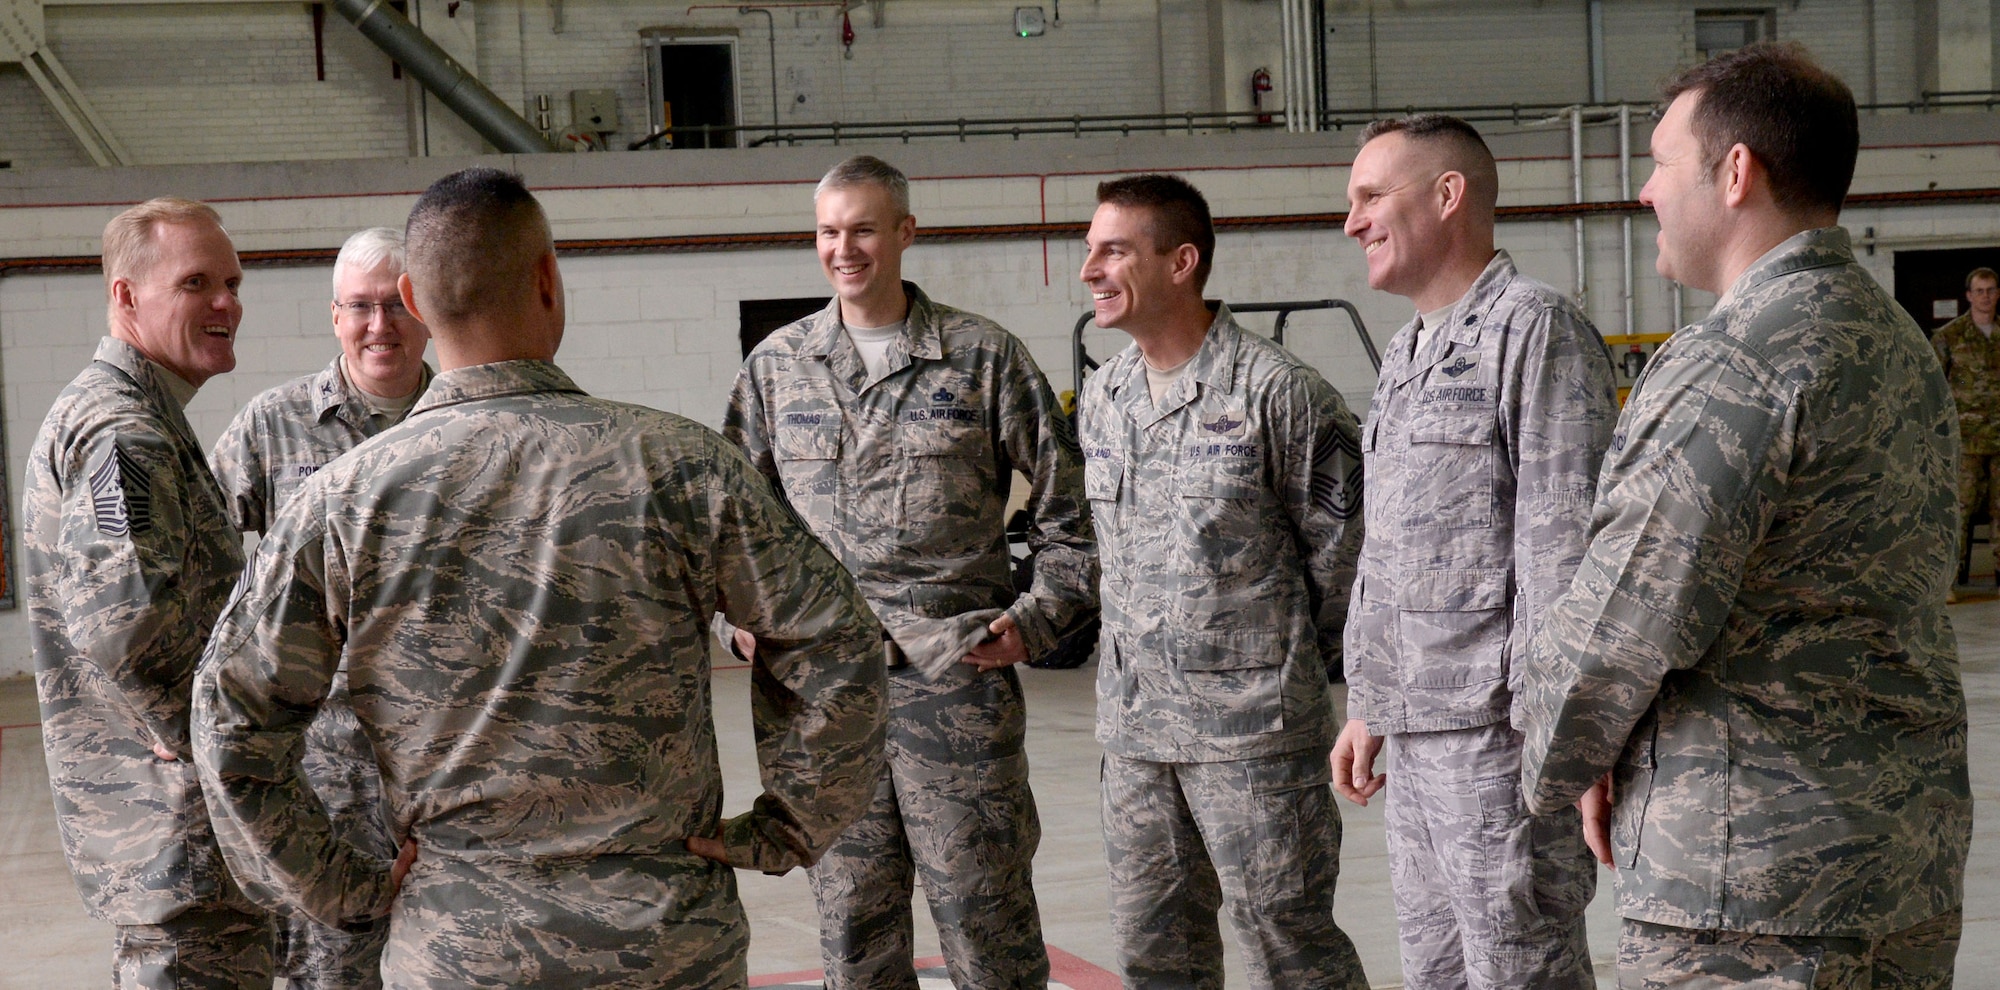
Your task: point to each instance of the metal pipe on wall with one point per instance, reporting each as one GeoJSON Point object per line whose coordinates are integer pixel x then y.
{"type": "Point", "coordinates": [1576, 196]}
{"type": "Point", "coordinates": [1595, 17]}
{"type": "Point", "coordinates": [771, 37]}
{"type": "Point", "coordinates": [442, 75]}
{"type": "Point", "coordinates": [1625, 195]}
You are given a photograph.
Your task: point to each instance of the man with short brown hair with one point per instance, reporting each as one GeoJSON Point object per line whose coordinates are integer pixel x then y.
{"type": "Point", "coordinates": [1971, 358]}
{"type": "Point", "coordinates": [1753, 667]}
{"type": "Point", "coordinates": [129, 558]}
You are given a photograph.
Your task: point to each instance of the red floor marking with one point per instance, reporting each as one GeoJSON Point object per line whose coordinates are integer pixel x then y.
{"type": "Point", "coordinates": [1064, 968]}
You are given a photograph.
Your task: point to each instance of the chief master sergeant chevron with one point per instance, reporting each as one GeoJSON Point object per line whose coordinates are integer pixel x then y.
{"type": "Point", "coordinates": [1754, 656]}
{"type": "Point", "coordinates": [1224, 479]}
{"type": "Point", "coordinates": [129, 558]}
{"type": "Point", "coordinates": [518, 578]}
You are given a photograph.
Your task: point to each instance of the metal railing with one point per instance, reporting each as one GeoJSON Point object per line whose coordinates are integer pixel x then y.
{"type": "Point", "coordinates": [1187, 122]}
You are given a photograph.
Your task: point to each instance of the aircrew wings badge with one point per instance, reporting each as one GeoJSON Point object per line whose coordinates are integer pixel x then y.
{"type": "Point", "coordinates": [121, 497]}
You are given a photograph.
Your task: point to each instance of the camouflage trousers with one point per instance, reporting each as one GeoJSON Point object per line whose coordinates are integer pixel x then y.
{"type": "Point", "coordinates": [340, 765]}
{"type": "Point", "coordinates": [1259, 837]}
{"type": "Point", "coordinates": [1661, 957]}
{"type": "Point", "coordinates": [952, 807]}
{"type": "Point", "coordinates": [631, 922]}
{"type": "Point", "coordinates": [1978, 488]}
{"type": "Point", "coordinates": [1488, 897]}
{"type": "Point", "coordinates": [215, 949]}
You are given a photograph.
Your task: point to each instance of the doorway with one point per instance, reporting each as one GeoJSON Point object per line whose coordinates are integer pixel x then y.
{"type": "Point", "coordinates": [1931, 284]}
{"type": "Point", "coordinates": [691, 80]}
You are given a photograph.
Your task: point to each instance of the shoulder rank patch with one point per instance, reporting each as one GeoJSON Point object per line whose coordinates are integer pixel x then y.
{"type": "Point", "coordinates": [121, 496]}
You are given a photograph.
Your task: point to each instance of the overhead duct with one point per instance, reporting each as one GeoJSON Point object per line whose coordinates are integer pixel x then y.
{"type": "Point", "coordinates": [443, 76]}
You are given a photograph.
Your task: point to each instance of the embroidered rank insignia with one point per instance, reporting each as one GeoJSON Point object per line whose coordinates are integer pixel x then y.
{"type": "Point", "coordinates": [121, 496]}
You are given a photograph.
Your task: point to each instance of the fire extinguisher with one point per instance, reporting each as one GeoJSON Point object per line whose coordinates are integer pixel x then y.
{"type": "Point", "coordinates": [1260, 83]}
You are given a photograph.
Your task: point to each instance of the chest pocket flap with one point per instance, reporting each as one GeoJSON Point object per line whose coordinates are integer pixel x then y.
{"type": "Point", "coordinates": [1461, 428]}
{"type": "Point", "coordinates": [1103, 477]}
{"type": "Point", "coordinates": [807, 436]}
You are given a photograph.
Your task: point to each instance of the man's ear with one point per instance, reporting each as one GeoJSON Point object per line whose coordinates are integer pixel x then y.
{"type": "Point", "coordinates": [1449, 191]}
{"type": "Point", "coordinates": [408, 291]}
{"type": "Point", "coordinates": [124, 295]}
{"type": "Point", "coordinates": [548, 281]}
{"type": "Point", "coordinates": [1187, 258]}
{"type": "Point", "coordinates": [1739, 174]}
{"type": "Point", "coordinates": [906, 229]}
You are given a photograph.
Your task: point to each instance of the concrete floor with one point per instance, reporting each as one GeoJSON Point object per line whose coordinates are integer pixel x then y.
{"type": "Point", "coordinates": [46, 940]}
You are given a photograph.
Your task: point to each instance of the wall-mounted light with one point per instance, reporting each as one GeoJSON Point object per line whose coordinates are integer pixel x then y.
{"type": "Point", "coordinates": [1028, 22]}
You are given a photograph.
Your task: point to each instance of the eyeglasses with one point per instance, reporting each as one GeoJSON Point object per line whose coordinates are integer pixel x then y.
{"type": "Point", "coordinates": [363, 312]}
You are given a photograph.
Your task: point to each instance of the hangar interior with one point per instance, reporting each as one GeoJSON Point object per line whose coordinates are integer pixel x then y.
{"type": "Point", "coordinates": [1005, 115]}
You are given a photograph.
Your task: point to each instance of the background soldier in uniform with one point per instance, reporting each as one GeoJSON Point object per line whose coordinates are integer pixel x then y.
{"type": "Point", "coordinates": [1971, 359]}
{"type": "Point", "coordinates": [893, 425]}
{"type": "Point", "coordinates": [1490, 419]}
{"type": "Point", "coordinates": [1754, 654]}
{"type": "Point", "coordinates": [130, 556]}
{"type": "Point", "coordinates": [518, 578]}
{"type": "Point", "coordinates": [1224, 479]}
{"type": "Point", "coordinates": [276, 442]}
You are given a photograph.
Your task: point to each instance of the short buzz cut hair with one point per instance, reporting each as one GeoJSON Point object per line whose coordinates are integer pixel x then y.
{"type": "Point", "coordinates": [868, 170]}
{"type": "Point", "coordinates": [130, 248]}
{"type": "Point", "coordinates": [1794, 115]}
{"type": "Point", "coordinates": [1180, 214]}
{"type": "Point", "coordinates": [368, 249]}
{"type": "Point", "coordinates": [1464, 149]}
{"type": "Point", "coordinates": [472, 243]}
{"type": "Point", "coordinates": [1979, 273]}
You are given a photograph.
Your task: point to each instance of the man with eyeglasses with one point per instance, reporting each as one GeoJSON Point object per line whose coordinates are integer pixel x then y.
{"type": "Point", "coordinates": [278, 441]}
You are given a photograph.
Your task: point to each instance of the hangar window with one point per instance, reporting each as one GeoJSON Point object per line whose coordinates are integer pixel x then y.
{"type": "Point", "coordinates": [1718, 31]}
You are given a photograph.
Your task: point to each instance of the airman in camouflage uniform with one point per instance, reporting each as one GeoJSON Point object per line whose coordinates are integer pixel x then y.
{"type": "Point", "coordinates": [1755, 648]}
{"type": "Point", "coordinates": [1971, 358]}
{"type": "Point", "coordinates": [276, 442]}
{"type": "Point", "coordinates": [518, 579]}
{"type": "Point", "coordinates": [1489, 422]}
{"type": "Point", "coordinates": [129, 558]}
{"type": "Point", "coordinates": [1227, 503]}
{"type": "Point", "coordinates": [903, 469]}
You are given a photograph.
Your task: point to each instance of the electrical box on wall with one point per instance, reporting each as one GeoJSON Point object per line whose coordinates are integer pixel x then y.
{"type": "Point", "coordinates": [593, 109]}
{"type": "Point", "coordinates": [1028, 22]}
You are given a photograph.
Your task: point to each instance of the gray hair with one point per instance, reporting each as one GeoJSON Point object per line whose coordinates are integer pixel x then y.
{"type": "Point", "coordinates": [867, 170]}
{"type": "Point", "coordinates": [367, 249]}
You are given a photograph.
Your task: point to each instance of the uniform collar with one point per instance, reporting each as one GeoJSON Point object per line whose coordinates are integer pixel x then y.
{"type": "Point", "coordinates": [1461, 324]}
{"type": "Point", "coordinates": [492, 381]}
{"type": "Point", "coordinates": [1821, 247]}
{"type": "Point", "coordinates": [150, 376]}
{"type": "Point", "coordinates": [331, 392]}
{"type": "Point", "coordinates": [1213, 367]}
{"type": "Point", "coordinates": [923, 337]}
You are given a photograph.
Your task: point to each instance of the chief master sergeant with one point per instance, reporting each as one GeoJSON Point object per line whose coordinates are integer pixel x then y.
{"type": "Point", "coordinates": [893, 425]}
{"type": "Point", "coordinates": [1224, 479]}
{"type": "Point", "coordinates": [129, 558]}
{"type": "Point", "coordinates": [277, 441]}
{"type": "Point", "coordinates": [518, 579]}
{"type": "Point", "coordinates": [1490, 419]}
{"type": "Point", "coordinates": [1754, 658]}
